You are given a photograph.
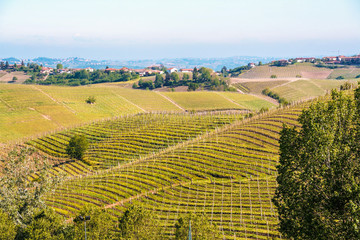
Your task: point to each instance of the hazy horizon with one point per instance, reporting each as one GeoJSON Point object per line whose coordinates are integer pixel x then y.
{"type": "Point", "coordinates": [139, 29]}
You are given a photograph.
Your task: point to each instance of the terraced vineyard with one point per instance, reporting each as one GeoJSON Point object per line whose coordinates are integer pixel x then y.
{"type": "Point", "coordinates": [228, 173]}
{"type": "Point", "coordinates": [122, 140]}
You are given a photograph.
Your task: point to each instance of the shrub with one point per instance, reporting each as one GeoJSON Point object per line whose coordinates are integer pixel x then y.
{"type": "Point", "coordinates": [358, 76]}
{"type": "Point", "coordinates": [340, 77]}
{"type": "Point", "coordinates": [90, 100]}
{"type": "Point", "coordinates": [273, 76]}
{"type": "Point", "coordinates": [77, 147]}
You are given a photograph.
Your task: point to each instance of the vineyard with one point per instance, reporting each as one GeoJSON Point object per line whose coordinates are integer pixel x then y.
{"type": "Point", "coordinates": [221, 164]}
{"type": "Point", "coordinates": [31, 110]}
{"type": "Point", "coordinates": [301, 89]}
{"type": "Point", "coordinates": [305, 70]}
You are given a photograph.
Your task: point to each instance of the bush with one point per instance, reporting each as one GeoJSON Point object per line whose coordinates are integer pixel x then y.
{"type": "Point", "coordinates": [340, 77]}
{"type": "Point", "coordinates": [298, 76]}
{"type": "Point", "coordinates": [90, 100]}
{"type": "Point", "coordinates": [77, 147]}
{"type": "Point", "coordinates": [358, 76]}
{"type": "Point", "coordinates": [273, 76]}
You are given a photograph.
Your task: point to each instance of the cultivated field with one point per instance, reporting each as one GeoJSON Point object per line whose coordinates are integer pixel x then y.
{"type": "Point", "coordinates": [347, 73]}
{"type": "Point", "coordinates": [28, 110]}
{"type": "Point", "coordinates": [302, 89]}
{"type": "Point", "coordinates": [8, 77]}
{"type": "Point", "coordinates": [305, 70]}
{"type": "Point", "coordinates": [212, 100]}
{"type": "Point", "coordinates": [256, 87]}
{"type": "Point", "coordinates": [174, 164]}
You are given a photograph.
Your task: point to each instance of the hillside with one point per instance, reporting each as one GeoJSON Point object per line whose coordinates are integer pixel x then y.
{"type": "Point", "coordinates": [305, 70]}
{"type": "Point", "coordinates": [228, 173]}
{"type": "Point", "coordinates": [28, 110]}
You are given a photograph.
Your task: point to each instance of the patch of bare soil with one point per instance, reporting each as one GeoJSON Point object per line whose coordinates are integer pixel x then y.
{"type": "Point", "coordinates": [8, 77]}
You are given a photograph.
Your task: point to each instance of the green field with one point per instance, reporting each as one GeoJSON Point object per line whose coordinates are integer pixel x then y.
{"type": "Point", "coordinates": [30, 110]}
{"type": "Point", "coordinates": [256, 87]}
{"type": "Point", "coordinates": [248, 101]}
{"type": "Point", "coordinates": [178, 163]}
{"type": "Point", "coordinates": [201, 100]}
{"type": "Point", "coordinates": [302, 89]}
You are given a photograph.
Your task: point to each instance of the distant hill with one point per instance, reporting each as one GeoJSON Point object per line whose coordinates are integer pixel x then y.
{"type": "Point", "coordinates": [213, 63]}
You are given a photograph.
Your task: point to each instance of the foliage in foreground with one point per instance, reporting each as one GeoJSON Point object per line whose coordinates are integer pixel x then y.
{"type": "Point", "coordinates": [319, 173]}
{"type": "Point", "coordinates": [201, 228]}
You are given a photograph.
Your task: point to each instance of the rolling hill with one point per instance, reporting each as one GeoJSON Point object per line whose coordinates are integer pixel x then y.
{"type": "Point", "coordinates": [220, 164]}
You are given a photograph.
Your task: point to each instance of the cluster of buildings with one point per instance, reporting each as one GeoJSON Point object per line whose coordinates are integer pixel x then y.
{"type": "Point", "coordinates": [327, 60]}
{"type": "Point", "coordinates": [141, 72]}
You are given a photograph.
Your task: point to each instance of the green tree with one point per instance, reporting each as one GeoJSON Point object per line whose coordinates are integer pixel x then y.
{"type": "Point", "coordinates": [185, 77]}
{"type": "Point", "coordinates": [159, 81]}
{"type": "Point", "coordinates": [77, 147]}
{"type": "Point", "coordinates": [20, 197]}
{"type": "Point", "coordinates": [201, 228]}
{"type": "Point", "coordinates": [59, 66]}
{"type": "Point", "coordinates": [195, 74]}
{"type": "Point", "coordinates": [175, 77]}
{"type": "Point", "coordinates": [14, 79]}
{"type": "Point", "coordinates": [99, 227]}
{"type": "Point", "coordinates": [139, 223]}
{"type": "Point", "coordinates": [7, 226]}
{"type": "Point", "coordinates": [319, 172]}
{"type": "Point", "coordinates": [90, 100]}
{"type": "Point", "coordinates": [48, 225]}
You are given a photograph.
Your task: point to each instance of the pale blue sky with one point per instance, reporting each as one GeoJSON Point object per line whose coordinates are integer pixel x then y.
{"type": "Point", "coordinates": [136, 29]}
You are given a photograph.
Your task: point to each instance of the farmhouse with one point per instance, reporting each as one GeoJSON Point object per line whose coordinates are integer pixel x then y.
{"type": "Point", "coordinates": [46, 70]}
{"type": "Point", "coordinates": [252, 65]}
{"type": "Point", "coordinates": [300, 60]}
{"type": "Point", "coordinates": [89, 69]}
{"type": "Point", "coordinates": [171, 70]}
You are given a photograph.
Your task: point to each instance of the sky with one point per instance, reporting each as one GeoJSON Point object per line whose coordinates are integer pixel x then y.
{"type": "Point", "coordinates": [154, 29]}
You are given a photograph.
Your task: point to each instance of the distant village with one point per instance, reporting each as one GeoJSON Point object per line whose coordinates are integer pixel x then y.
{"type": "Point", "coordinates": [160, 69]}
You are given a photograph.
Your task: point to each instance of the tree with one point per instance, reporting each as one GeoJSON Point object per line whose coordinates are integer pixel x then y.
{"type": "Point", "coordinates": [185, 77]}
{"type": "Point", "coordinates": [14, 79]}
{"type": "Point", "coordinates": [20, 197]}
{"type": "Point", "coordinates": [175, 77]}
{"type": "Point", "coordinates": [6, 65]}
{"type": "Point", "coordinates": [224, 71]}
{"type": "Point", "coordinates": [47, 224]}
{"type": "Point", "coordinates": [139, 223]}
{"type": "Point", "coordinates": [319, 172]}
{"type": "Point", "coordinates": [195, 74]}
{"type": "Point", "coordinates": [90, 100]}
{"type": "Point", "coordinates": [59, 66]}
{"type": "Point", "coordinates": [201, 228]}
{"type": "Point", "coordinates": [99, 227]}
{"type": "Point", "coordinates": [159, 81]}
{"type": "Point", "coordinates": [77, 147]}
{"type": "Point", "coordinates": [7, 226]}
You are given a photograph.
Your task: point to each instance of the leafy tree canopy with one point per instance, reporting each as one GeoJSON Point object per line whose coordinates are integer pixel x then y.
{"type": "Point", "coordinates": [139, 223]}
{"type": "Point", "coordinates": [318, 179]}
{"type": "Point", "coordinates": [201, 228]}
{"type": "Point", "coordinates": [77, 147]}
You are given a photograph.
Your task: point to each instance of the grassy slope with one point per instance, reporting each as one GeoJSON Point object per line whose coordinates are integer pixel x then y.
{"type": "Point", "coordinates": [306, 70]}
{"type": "Point", "coordinates": [201, 100]}
{"type": "Point", "coordinates": [301, 89]}
{"type": "Point", "coordinates": [29, 110]}
{"type": "Point", "coordinates": [227, 173]}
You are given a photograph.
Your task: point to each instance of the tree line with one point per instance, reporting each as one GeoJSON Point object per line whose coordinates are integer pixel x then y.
{"type": "Point", "coordinates": [202, 78]}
